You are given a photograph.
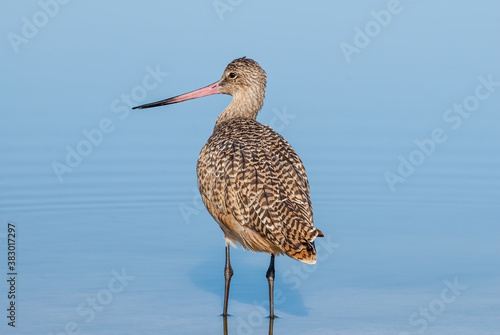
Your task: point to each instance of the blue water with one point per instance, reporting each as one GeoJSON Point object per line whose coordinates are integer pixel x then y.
{"type": "Point", "coordinates": [112, 237]}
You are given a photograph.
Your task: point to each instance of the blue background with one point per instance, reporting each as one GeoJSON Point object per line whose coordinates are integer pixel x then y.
{"type": "Point", "coordinates": [129, 204]}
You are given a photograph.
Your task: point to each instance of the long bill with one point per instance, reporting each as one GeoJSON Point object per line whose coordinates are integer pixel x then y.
{"type": "Point", "coordinates": [202, 92]}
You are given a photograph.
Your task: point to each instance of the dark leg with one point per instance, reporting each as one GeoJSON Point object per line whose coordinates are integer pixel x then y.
{"type": "Point", "coordinates": [228, 273]}
{"type": "Point", "coordinates": [270, 280]}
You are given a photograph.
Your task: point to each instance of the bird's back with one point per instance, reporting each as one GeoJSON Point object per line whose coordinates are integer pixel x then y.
{"type": "Point", "coordinates": [255, 186]}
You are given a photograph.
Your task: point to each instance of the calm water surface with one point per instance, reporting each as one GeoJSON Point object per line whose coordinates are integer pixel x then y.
{"type": "Point", "coordinates": [131, 207]}
{"type": "Point", "coordinates": [121, 244]}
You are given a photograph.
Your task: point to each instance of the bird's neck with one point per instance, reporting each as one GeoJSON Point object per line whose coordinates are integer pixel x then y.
{"type": "Point", "coordinates": [247, 106]}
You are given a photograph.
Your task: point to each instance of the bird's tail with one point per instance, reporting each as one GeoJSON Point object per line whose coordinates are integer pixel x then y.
{"type": "Point", "coordinates": [304, 250]}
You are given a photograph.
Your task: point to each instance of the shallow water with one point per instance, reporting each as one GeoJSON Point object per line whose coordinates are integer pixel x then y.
{"type": "Point", "coordinates": [121, 244]}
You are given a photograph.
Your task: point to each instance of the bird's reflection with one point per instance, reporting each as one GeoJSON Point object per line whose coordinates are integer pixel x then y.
{"type": "Point", "coordinates": [224, 318]}
{"type": "Point", "coordinates": [226, 332]}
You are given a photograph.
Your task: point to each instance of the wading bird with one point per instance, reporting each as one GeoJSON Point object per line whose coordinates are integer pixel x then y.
{"type": "Point", "coordinates": [251, 180]}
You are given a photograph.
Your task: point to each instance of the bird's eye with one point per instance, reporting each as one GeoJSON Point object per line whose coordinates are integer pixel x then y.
{"type": "Point", "coordinates": [232, 75]}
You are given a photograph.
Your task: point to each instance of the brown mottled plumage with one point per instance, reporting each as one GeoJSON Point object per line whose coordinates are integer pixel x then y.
{"type": "Point", "coordinates": [256, 188]}
{"type": "Point", "coordinates": [251, 180]}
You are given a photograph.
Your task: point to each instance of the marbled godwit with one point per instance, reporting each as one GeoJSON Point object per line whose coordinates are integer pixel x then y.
{"type": "Point", "coordinates": [251, 180]}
